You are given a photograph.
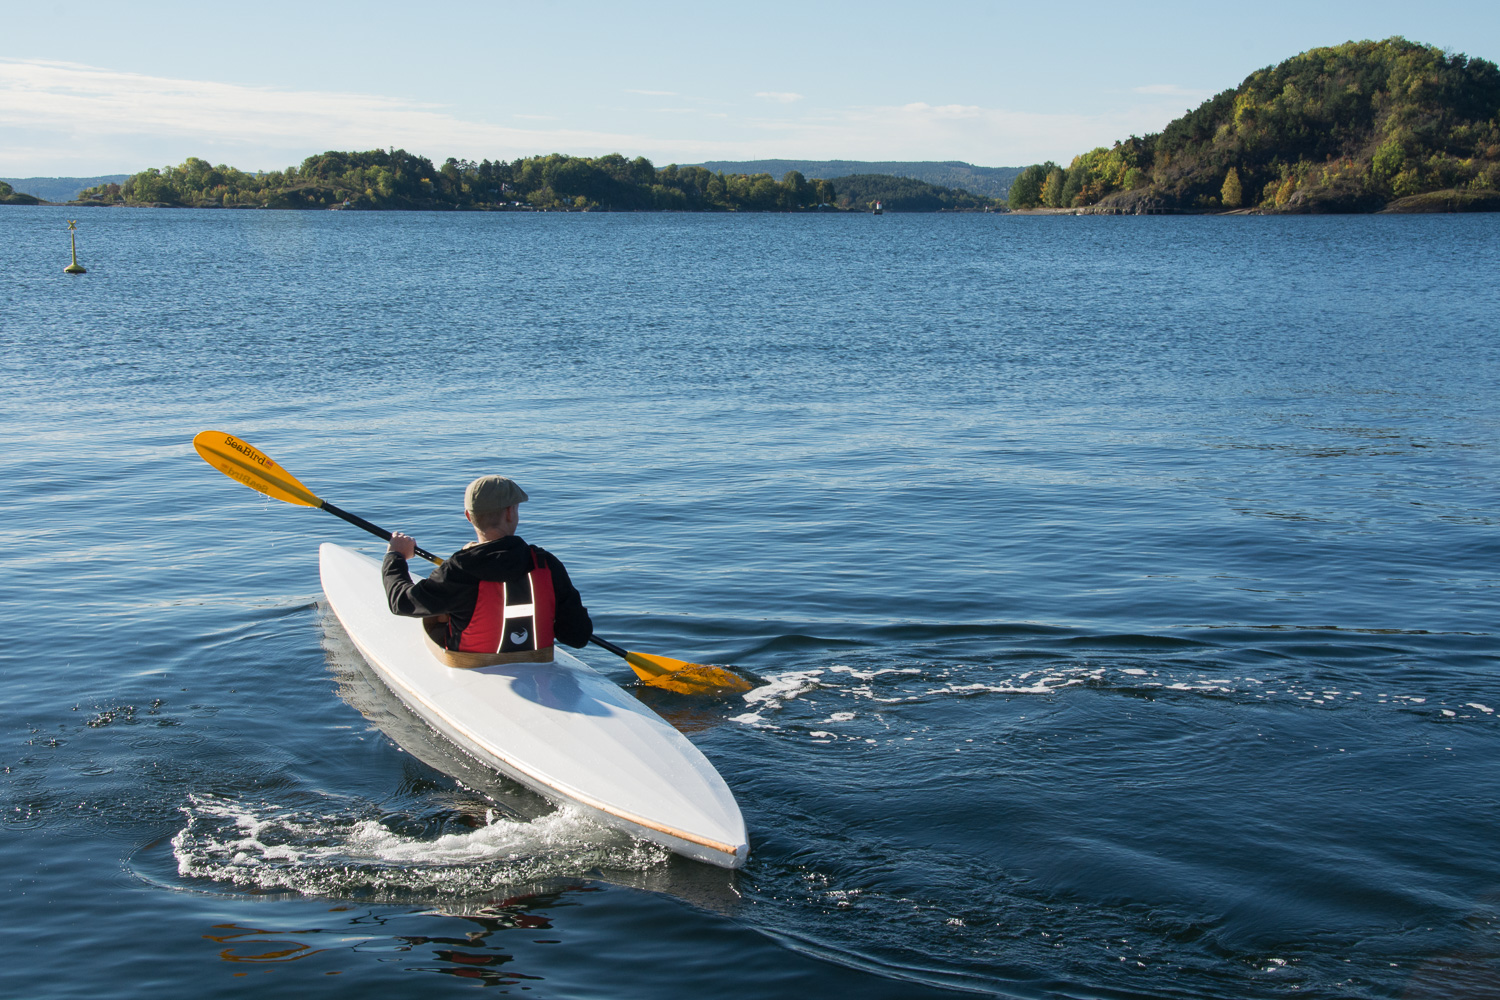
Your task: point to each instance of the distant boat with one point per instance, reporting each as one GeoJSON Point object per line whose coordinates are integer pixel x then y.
{"type": "Point", "coordinates": [879, 210]}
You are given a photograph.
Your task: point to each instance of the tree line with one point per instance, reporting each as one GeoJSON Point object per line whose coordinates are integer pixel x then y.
{"type": "Point", "coordinates": [396, 179]}
{"type": "Point", "coordinates": [1349, 128]}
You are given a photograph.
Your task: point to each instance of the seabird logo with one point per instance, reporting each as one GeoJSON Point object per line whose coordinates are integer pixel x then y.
{"type": "Point", "coordinates": [518, 637]}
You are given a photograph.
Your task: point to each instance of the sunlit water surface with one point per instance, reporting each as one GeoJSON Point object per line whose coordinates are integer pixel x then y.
{"type": "Point", "coordinates": [1123, 594]}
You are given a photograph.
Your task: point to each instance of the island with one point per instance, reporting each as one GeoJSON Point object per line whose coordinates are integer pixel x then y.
{"type": "Point", "coordinates": [10, 196]}
{"type": "Point", "coordinates": [395, 179]}
{"type": "Point", "coordinates": [1359, 127]}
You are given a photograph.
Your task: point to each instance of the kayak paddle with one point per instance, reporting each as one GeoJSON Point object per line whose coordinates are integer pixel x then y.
{"type": "Point", "coordinates": [251, 467]}
{"type": "Point", "coordinates": [676, 675]}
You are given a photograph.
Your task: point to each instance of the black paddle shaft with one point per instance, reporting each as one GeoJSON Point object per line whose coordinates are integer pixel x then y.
{"type": "Point", "coordinates": [606, 644]}
{"type": "Point", "coordinates": [373, 529]}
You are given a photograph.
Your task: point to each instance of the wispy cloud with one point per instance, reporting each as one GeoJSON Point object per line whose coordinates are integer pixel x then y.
{"type": "Point", "coordinates": [85, 113]}
{"type": "Point", "coordinates": [652, 93]}
{"type": "Point", "coordinates": [65, 118]}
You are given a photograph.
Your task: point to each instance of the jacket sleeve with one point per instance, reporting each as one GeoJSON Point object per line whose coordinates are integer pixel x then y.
{"type": "Point", "coordinates": [436, 595]}
{"type": "Point", "coordinates": [570, 620]}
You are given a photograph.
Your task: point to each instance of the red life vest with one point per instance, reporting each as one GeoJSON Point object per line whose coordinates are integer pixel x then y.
{"type": "Point", "coordinates": [513, 616]}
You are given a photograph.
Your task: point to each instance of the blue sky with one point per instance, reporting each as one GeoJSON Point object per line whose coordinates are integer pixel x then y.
{"type": "Point", "coordinates": [119, 87]}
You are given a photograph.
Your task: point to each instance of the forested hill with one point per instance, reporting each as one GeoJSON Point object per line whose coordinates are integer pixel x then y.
{"type": "Point", "coordinates": [1357, 127]}
{"type": "Point", "coordinates": [396, 179]}
{"type": "Point", "coordinates": [903, 194]}
{"type": "Point", "coordinates": [992, 182]}
{"type": "Point", "coordinates": [8, 196]}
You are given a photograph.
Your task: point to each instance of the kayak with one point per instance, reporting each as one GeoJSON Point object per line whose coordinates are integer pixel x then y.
{"type": "Point", "coordinates": [562, 728]}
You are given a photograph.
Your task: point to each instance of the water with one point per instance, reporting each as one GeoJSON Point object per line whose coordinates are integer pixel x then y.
{"type": "Point", "coordinates": [1123, 592]}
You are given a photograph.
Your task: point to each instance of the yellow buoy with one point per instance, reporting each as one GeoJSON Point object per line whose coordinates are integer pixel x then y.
{"type": "Point", "coordinates": [75, 267]}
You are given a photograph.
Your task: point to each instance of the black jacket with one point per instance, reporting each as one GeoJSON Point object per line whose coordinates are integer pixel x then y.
{"type": "Point", "coordinates": [453, 587]}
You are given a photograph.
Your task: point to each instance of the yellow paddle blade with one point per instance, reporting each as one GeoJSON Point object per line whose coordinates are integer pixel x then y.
{"type": "Point", "coordinates": [684, 677]}
{"type": "Point", "coordinates": [245, 464]}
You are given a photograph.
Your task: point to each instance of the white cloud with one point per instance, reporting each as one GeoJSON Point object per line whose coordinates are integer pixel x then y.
{"type": "Point", "coordinates": [85, 117]}
{"type": "Point", "coordinates": [942, 112]}
{"type": "Point", "coordinates": [70, 119]}
{"type": "Point", "coordinates": [780, 97]}
{"type": "Point", "coordinates": [653, 93]}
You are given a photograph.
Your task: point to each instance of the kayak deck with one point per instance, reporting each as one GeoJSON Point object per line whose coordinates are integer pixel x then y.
{"type": "Point", "coordinates": [560, 728]}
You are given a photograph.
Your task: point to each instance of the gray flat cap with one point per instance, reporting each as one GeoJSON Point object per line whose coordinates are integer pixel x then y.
{"type": "Point", "coordinates": [490, 493]}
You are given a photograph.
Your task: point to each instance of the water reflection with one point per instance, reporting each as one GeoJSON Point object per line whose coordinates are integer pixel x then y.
{"type": "Point", "coordinates": [237, 937]}
{"type": "Point", "coordinates": [481, 946]}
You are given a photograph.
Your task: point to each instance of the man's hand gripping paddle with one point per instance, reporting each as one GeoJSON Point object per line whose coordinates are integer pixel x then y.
{"type": "Point", "coordinates": [253, 468]}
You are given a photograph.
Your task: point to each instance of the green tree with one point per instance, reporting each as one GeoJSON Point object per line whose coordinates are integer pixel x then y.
{"type": "Point", "coordinates": [1231, 194]}
{"type": "Point", "coordinates": [796, 188]}
{"type": "Point", "coordinates": [1074, 184]}
{"type": "Point", "coordinates": [1388, 160]}
{"type": "Point", "coordinates": [1026, 189]}
{"type": "Point", "coordinates": [1052, 188]}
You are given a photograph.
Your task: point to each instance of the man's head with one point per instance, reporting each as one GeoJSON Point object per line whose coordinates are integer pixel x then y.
{"type": "Point", "coordinates": [490, 505]}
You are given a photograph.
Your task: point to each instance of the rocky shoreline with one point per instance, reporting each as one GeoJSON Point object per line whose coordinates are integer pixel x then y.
{"type": "Point", "coordinates": [1430, 202]}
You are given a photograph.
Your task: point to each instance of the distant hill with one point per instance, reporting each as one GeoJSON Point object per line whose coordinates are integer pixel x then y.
{"type": "Point", "coordinates": [1358, 127]}
{"type": "Point", "coordinates": [992, 182]}
{"type": "Point", "coordinates": [859, 192]}
{"type": "Point", "coordinates": [59, 188]}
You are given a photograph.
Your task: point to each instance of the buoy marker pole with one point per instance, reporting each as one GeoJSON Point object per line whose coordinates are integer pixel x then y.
{"type": "Point", "coordinates": [75, 267]}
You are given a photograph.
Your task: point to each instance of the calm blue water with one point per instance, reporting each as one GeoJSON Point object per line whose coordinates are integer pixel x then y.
{"type": "Point", "coordinates": [1124, 594]}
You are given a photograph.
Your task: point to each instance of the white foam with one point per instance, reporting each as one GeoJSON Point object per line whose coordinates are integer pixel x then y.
{"type": "Point", "coordinates": [783, 687]}
{"type": "Point", "coordinates": [335, 850]}
{"type": "Point", "coordinates": [777, 691]}
{"type": "Point", "coordinates": [843, 686]}
{"type": "Point", "coordinates": [970, 689]}
{"type": "Point", "coordinates": [1483, 708]}
{"type": "Point", "coordinates": [869, 675]}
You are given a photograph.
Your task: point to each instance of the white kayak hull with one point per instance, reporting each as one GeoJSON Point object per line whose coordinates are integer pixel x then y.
{"type": "Point", "coordinates": [561, 728]}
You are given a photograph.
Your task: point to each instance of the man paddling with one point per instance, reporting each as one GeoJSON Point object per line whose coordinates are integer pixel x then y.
{"type": "Point", "coordinates": [503, 600]}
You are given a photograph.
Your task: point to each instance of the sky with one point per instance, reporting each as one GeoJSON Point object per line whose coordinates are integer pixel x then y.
{"type": "Point", "coordinates": [116, 88]}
